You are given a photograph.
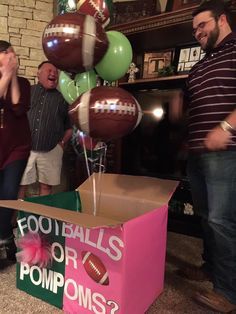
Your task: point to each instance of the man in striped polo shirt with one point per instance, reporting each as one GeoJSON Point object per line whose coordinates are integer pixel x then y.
{"type": "Point", "coordinates": [51, 129]}
{"type": "Point", "coordinates": [211, 100]}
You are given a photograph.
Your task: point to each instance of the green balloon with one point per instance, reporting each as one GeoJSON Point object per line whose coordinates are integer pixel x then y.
{"type": "Point", "coordinates": [72, 89]}
{"type": "Point", "coordinates": [117, 59]}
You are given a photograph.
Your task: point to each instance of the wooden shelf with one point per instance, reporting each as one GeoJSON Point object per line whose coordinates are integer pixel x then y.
{"type": "Point", "coordinates": [165, 30]}
{"type": "Point", "coordinates": [157, 79]}
{"type": "Point", "coordinates": [162, 20]}
{"type": "Point", "coordinates": [167, 82]}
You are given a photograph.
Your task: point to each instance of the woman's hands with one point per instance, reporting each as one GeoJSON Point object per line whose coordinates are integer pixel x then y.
{"type": "Point", "coordinates": [8, 69]}
{"type": "Point", "coordinates": [9, 65]}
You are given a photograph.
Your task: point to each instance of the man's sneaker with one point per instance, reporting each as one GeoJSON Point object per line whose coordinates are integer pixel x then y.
{"type": "Point", "coordinates": [10, 248]}
{"type": "Point", "coordinates": [195, 273]}
{"type": "Point", "coordinates": [215, 301]}
{"type": "Point", "coordinates": [3, 242]}
{"type": "Point", "coordinates": [5, 263]}
{"type": "Point", "coordinates": [11, 251]}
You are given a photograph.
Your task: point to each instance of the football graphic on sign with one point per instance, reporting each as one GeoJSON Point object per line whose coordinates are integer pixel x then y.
{"type": "Point", "coordinates": [95, 268]}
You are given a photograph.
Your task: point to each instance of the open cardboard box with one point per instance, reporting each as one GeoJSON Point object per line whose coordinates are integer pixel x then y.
{"type": "Point", "coordinates": [125, 242]}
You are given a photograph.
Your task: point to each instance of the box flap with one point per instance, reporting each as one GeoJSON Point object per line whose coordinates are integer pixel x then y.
{"type": "Point", "coordinates": [119, 198]}
{"type": "Point", "coordinates": [124, 197]}
{"type": "Point", "coordinates": [77, 218]}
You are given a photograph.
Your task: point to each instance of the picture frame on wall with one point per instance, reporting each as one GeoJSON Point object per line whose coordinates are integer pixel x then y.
{"type": "Point", "coordinates": [188, 56]}
{"type": "Point", "coordinates": [153, 62]}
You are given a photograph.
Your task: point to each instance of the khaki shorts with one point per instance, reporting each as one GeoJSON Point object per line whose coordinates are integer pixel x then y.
{"type": "Point", "coordinates": [44, 167]}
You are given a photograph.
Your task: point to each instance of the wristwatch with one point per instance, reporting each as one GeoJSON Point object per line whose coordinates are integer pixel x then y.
{"type": "Point", "coordinates": [226, 126]}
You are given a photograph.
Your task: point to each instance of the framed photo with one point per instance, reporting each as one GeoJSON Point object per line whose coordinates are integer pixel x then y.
{"type": "Point", "coordinates": [188, 57]}
{"type": "Point", "coordinates": [181, 4]}
{"type": "Point", "coordinates": [155, 61]}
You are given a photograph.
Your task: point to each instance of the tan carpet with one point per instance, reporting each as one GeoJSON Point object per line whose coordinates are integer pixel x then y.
{"type": "Point", "coordinates": [176, 298]}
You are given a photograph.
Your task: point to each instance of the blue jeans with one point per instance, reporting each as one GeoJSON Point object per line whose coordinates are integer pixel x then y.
{"type": "Point", "coordinates": [10, 178]}
{"type": "Point", "coordinates": [213, 185]}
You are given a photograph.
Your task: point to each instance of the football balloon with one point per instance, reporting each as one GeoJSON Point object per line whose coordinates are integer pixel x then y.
{"type": "Point", "coordinates": [106, 113]}
{"type": "Point", "coordinates": [74, 42]}
{"type": "Point", "coordinates": [95, 268]}
{"type": "Point", "coordinates": [97, 8]}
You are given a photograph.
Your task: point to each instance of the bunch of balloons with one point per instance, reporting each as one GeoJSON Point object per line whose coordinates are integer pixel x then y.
{"type": "Point", "coordinates": [78, 44]}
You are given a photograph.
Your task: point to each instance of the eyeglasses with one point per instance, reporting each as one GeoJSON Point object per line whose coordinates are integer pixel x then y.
{"type": "Point", "coordinates": [201, 26]}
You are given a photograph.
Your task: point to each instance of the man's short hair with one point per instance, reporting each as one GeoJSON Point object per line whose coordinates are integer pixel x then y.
{"type": "Point", "coordinates": [44, 62]}
{"type": "Point", "coordinates": [217, 8]}
{"type": "Point", "coordinates": [4, 45]}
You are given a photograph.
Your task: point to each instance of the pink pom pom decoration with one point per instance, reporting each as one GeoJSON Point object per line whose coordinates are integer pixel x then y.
{"type": "Point", "coordinates": [34, 250]}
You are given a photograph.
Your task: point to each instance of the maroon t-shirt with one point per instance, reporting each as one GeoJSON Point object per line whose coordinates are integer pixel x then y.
{"type": "Point", "coordinates": [211, 93]}
{"type": "Point", "coordinates": [15, 138]}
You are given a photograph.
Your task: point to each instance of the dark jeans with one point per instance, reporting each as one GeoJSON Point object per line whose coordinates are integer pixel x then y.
{"type": "Point", "coordinates": [10, 178]}
{"type": "Point", "coordinates": [213, 184]}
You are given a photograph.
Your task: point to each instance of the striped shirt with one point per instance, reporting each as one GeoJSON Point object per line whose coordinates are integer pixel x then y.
{"type": "Point", "coordinates": [48, 117]}
{"type": "Point", "coordinates": [211, 92]}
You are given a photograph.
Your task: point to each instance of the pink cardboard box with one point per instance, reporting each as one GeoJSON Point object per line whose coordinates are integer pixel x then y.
{"type": "Point", "coordinates": [114, 261]}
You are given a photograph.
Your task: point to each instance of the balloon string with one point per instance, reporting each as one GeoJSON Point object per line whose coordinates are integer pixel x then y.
{"type": "Point", "coordinates": [89, 174]}
{"type": "Point", "coordinates": [86, 157]}
{"type": "Point", "coordinates": [94, 193]}
{"type": "Point", "coordinates": [96, 182]}
{"type": "Point", "coordinates": [101, 171]}
{"type": "Point", "coordinates": [94, 197]}
{"type": "Point", "coordinates": [91, 152]}
{"type": "Point", "coordinates": [97, 185]}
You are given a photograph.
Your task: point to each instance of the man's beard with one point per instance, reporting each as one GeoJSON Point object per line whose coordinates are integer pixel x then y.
{"type": "Point", "coordinates": [212, 39]}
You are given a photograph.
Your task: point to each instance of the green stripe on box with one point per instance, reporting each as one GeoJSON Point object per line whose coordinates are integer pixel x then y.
{"type": "Point", "coordinates": [66, 200]}
{"type": "Point", "coordinates": [35, 280]}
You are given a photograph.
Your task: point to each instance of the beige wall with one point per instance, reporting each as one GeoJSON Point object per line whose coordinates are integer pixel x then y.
{"type": "Point", "coordinates": [22, 23]}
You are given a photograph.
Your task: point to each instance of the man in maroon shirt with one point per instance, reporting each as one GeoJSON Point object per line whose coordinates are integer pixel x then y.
{"type": "Point", "coordinates": [211, 101]}
{"type": "Point", "coordinates": [15, 138]}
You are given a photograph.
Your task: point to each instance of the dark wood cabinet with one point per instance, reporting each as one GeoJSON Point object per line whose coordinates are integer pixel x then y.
{"type": "Point", "coordinates": [157, 32]}
{"type": "Point", "coordinates": [154, 33]}
{"type": "Point", "coordinates": [166, 30]}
